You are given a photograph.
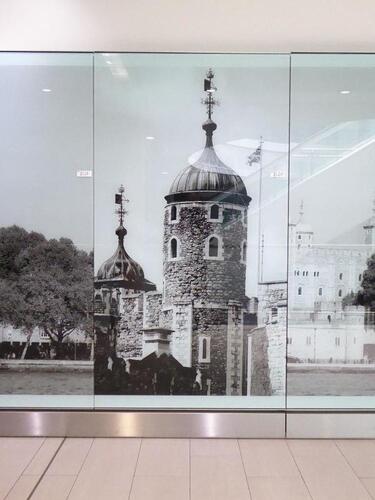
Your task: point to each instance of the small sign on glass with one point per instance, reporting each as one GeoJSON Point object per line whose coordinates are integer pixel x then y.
{"type": "Point", "coordinates": [84, 173]}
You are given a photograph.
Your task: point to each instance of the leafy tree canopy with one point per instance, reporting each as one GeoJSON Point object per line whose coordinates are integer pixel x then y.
{"type": "Point", "coordinates": [349, 299]}
{"type": "Point", "coordinates": [13, 240]}
{"type": "Point", "coordinates": [44, 283]}
{"type": "Point", "coordinates": [366, 296]}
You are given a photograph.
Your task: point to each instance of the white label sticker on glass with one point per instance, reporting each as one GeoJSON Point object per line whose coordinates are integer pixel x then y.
{"type": "Point", "coordinates": [84, 173]}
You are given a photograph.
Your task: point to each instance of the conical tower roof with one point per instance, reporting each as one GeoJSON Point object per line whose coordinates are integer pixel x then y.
{"type": "Point", "coordinates": [121, 270]}
{"type": "Point", "coordinates": [208, 178]}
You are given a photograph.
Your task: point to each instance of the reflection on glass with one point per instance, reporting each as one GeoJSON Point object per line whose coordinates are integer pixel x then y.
{"type": "Point", "coordinates": [46, 236]}
{"type": "Point", "coordinates": [191, 306]}
{"type": "Point", "coordinates": [331, 336]}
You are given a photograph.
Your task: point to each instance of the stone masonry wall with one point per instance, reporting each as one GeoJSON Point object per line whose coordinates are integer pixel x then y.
{"type": "Point", "coordinates": [260, 383]}
{"type": "Point", "coordinates": [213, 323]}
{"type": "Point", "coordinates": [182, 332]}
{"type": "Point", "coordinates": [192, 276]}
{"type": "Point", "coordinates": [234, 349]}
{"type": "Point", "coordinates": [129, 338]}
{"type": "Point", "coordinates": [139, 310]}
{"type": "Point", "coordinates": [273, 316]}
{"type": "Point", "coordinates": [152, 309]}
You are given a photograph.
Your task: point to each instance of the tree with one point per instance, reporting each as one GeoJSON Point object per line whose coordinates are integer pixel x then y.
{"type": "Point", "coordinates": [13, 240]}
{"type": "Point", "coordinates": [349, 299]}
{"type": "Point", "coordinates": [50, 286]}
{"type": "Point", "coordinates": [366, 296]}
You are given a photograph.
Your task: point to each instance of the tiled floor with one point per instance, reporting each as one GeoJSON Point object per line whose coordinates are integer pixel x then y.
{"type": "Point", "coordinates": [182, 469]}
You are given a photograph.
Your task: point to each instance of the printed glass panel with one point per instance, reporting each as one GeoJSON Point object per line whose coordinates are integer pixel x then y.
{"type": "Point", "coordinates": [190, 230]}
{"type": "Point", "coordinates": [331, 336]}
{"type": "Point", "coordinates": [46, 230]}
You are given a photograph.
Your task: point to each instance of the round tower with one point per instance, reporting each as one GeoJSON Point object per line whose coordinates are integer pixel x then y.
{"type": "Point", "coordinates": [205, 246]}
{"type": "Point", "coordinates": [205, 228]}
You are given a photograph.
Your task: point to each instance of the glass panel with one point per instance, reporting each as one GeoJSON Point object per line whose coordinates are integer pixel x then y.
{"type": "Point", "coordinates": [331, 336]}
{"type": "Point", "coordinates": [181, 322]}
{"type": "Point", "coordinates": [46, 230]}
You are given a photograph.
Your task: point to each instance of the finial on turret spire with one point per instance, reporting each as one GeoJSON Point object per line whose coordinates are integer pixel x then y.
{"type": "Point", "coordinates": [120, 211]}
{"type": "Point", "coordinates": [209, 101]}
{"type": "Point", "coordinates": [210, 89]}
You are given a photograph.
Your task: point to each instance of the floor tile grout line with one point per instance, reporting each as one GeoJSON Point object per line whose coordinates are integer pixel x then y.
{"type": "Point", "coordinates": [345, 458]}
{"type": "Point", "coordinates": [80, 469]}
{"type": "Point", "coordinates": [365, 487]}
{"type": "Point", "coordinates": [26, 466]}
{"type": "Point", "coordinates": [135, 469]}
{"type": "Point", "coordinates": [243, 468]}
{"type": "Point", "coordinates": [299, 470]}
{"type": "Point", "coordinates": [46, 469]}
{"type": "Point", "coordinates": [351, 467]}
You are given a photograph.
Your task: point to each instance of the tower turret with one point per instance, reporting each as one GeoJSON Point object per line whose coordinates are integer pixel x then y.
{"type": "Point", "coordinates": [370, 232]}
{"type": "Point", "coordinates": [205, 245]}
{"type": "Point", "coordinates": [121, 270]}
{"type": "Point", "coordinates": [120, 286]}
{"type": "Point", "coordinates": [301, 234]}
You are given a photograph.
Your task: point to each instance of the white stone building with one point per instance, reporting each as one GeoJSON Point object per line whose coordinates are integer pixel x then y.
{"type": "Point", "coordinates": [320, 327]}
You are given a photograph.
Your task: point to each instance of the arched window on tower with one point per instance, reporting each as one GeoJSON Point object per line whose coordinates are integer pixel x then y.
{"type": "Point", "coordinates": [244, 252]}
{"type": "Point", "coordinates": [173, 248]}
{"type": "Point", "coordinates": [299, 290]}
{"type": "Point", "coordinates": [340, 293]}
{"type": "Point", "coordinates": [213, 247]}
{"type": "Point", "coordinates": [173, 213]}
{"type": "Point", "coordinates": [214, 212]}
{"type": "Point", "coordinates": [204, 354]}
{"type": "Point", "coordinates": [204, 348]}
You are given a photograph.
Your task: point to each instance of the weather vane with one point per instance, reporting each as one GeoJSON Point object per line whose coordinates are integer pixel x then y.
{"type": "Point", "coordinates": [120, 200]}
{"type": "Point", "coordinates": [209, 101]}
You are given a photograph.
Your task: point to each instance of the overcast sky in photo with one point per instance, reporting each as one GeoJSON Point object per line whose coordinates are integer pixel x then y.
{"type": "Point", "coordinates": [147, 126]}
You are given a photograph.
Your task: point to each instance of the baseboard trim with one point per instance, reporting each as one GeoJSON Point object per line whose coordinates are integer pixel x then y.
{"type": "Point", "coordinates": [334, 425]}
{"type": "Point", "coordinates": [293, 424]}
{"type": "Point", "coordinates": [142, 424]}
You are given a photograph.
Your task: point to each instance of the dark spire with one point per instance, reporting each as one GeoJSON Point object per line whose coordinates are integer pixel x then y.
{"type": "Point", "coordinates": [209, 126]}
{"type": "Point", "coordinates": [120, 211]}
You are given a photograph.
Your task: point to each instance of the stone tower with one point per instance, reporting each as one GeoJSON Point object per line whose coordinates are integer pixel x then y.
{"type": "Point", "coordinates": [205, 245]}
{"type": "Point", "coordinates": [121, 295]}
{"type": "Point", "coordinates": [370, 232]}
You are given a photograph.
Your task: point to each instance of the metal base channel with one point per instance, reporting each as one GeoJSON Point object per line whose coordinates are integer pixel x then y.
{"type": "Point", "coordinates": [175, 424]}
{"type": "Point", "coordinates": [344, 425]}
{"type": "Point", "coordinates": [143, 424]}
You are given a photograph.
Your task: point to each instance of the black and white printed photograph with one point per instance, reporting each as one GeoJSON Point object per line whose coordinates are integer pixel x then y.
{"type": "Point", "coordinates": [211, 258]}
{"type": "Point", "coordinates": [46, 234]}
{"type": "Point", "coordinates": [191, 225]}
{"type": "Point", "coordinates": [331, 330]}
